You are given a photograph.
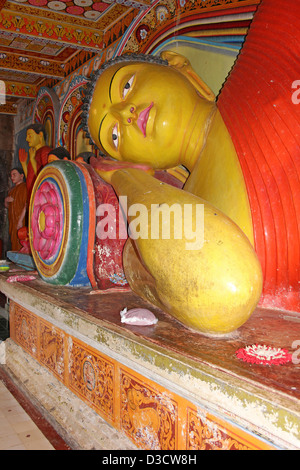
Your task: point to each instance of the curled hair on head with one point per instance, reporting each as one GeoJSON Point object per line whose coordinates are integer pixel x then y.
{"type": "Point", "coordinates": [37, 128]}
{"type": "Point", "coordinates": [61, 153]}
{"type": "Point", "coordinates": [90, 86]}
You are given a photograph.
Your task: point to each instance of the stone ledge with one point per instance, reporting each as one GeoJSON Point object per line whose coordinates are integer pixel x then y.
{"type": "Point", "coordinates": [64, 410]}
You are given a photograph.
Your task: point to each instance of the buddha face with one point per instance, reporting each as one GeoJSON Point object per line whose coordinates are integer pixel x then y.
{"type": "Point", "coordinates": [140, 112]}
{"type": "Point", "coordinates": [33, 139]}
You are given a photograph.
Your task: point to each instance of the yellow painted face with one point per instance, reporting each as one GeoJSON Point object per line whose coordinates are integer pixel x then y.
{"type": "Point", "coordinates": [140, 112]}
{"type": "Point", "coordinates": [32, 138]}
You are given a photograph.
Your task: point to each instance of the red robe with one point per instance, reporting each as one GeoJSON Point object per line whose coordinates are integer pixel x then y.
{"type": "Point", "coordinates": [41, 157]}
{"type": "Point", "coordinates": [264, 122]}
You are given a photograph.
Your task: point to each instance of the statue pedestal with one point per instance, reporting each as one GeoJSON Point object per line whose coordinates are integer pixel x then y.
{"type": "Point", "coordinates": [155, 387]}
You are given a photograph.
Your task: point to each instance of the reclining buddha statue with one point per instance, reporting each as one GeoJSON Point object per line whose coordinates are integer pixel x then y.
{"type": "Point", "coordinates": [148, 114]}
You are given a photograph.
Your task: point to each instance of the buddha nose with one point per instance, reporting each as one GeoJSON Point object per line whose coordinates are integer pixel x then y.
{"type": "Point", "coordinates": [132, 114]}
{"type": "Point", "coordinates": [128, 113]}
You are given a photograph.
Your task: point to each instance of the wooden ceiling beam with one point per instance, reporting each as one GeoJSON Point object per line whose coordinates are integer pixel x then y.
{"type": "Point", "coordinates": [33, 65]}
{"type": "Point", "coordinates": [20, 90]}
{"type": "Point", "coordinates": [2, 3]}
{"type": "Point", "coordinates": [8, 108]}
{"type": "Point", "coordinates": [51, 30]}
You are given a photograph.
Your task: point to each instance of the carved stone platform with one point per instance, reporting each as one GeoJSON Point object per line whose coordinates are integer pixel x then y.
{"type": "Point", "coordinates": [158, 387]}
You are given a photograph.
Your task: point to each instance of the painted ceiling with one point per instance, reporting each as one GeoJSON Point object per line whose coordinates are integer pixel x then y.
{"type": "Point", "coordinates": [43, 41]}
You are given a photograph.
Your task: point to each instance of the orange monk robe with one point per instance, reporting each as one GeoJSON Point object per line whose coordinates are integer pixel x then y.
{"type": "Point", "coordinates": [15, 208]}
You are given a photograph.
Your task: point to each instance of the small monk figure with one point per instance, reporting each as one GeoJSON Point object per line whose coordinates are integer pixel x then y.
{"type": "Point", "coordinates": [15, 202]}
{"type": "Point", "coordinates": [150, 114]}
{"type": "Point", "coordinates": [59, 153]}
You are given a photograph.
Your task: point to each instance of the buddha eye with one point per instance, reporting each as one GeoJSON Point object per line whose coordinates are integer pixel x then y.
{"type": "Point", "coordinates": [115, 136]}
{"type": "Point", "coordinates": [127, 86]}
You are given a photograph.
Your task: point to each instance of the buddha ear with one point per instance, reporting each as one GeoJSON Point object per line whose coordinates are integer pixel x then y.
{"type": "Point", "coordinates": [41, 137]}
{"type": "Point", "coordinates": [182, 64]}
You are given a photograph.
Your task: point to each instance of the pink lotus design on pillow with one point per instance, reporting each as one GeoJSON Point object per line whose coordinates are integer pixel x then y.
{"type": "Point", "coordinates": [47, 220]}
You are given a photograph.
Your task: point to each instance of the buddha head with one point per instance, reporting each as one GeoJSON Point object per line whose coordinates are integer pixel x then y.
{"type": "Point", "coordinates": [140, 109]}
{"type": "Point", "coordinates": [36, 136]}
{"type": "Point", "coordinates": [59, 153]}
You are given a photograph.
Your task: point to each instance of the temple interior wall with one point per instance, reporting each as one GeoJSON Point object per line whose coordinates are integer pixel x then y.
{"type": "Point", "coordinates": [6, 163]}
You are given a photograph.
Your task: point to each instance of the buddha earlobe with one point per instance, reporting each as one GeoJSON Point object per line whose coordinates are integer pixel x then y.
{"type": "Point", "coordinates": [182, 64]}
{"type": "Point", "coordinates": [41, 138]}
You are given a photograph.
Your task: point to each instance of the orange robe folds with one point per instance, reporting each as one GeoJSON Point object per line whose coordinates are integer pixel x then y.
{"type": "Point", "coordinates": [15, 208]}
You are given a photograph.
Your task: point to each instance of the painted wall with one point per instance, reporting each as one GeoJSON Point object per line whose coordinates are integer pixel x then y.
{"type": "Point", "coordinates": [211, 60]}
{"type": "Point", "coordinates": [6, 163]}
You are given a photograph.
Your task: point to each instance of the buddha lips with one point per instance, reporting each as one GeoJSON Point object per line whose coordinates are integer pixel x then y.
{"type": "Point", "coordinates": [143, 119]}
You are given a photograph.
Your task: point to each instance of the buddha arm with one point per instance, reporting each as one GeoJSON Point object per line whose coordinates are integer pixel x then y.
{"type": "Point", "coordinates": [208, 279]}
{"type": "Point", "coordinates": [32, 153]}
{"type": "Point", "coordinates": [23, 160]}
{"type": "Point", "coordinates": [217, 177]}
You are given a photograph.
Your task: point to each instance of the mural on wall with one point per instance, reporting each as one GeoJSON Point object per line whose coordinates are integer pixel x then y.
{"type": "Point", "coordinates": [70, 134]}
{"type": "Point", "coordinates": [193, 18]}
{"type": "Point", "coordinates": [46, 112]}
